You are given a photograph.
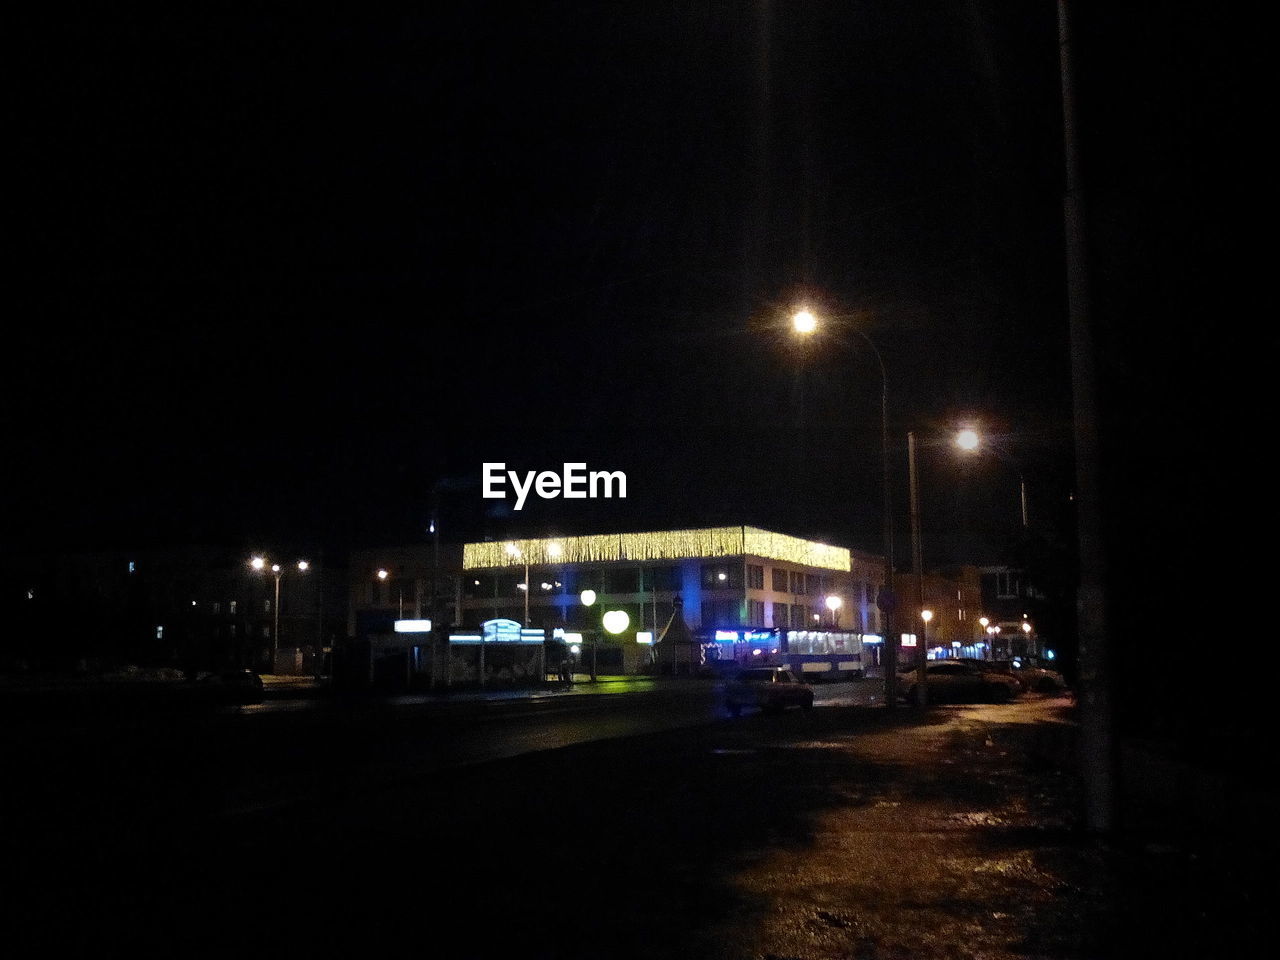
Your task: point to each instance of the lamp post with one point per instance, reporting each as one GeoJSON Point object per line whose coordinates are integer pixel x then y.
{"type": "Point", "coordinates": [259, 564]}
{"type": "Point", "coordinates": [514, 551]}
{"type": "Point", "coordinates": [275, 609]}
{"type": "Point", "coordinates": [969, 440]}
{"type": "Point", "coordinates": [985, 624]}
{"type": "Point", "coordinates": [383, 573]}
{"type": "Point", "coordinates": [805, 323]}
{"type": "Point", "coordinates": [588, 598]}
{"type": "Point", "coordinates": [922, 692]}
{"type": "Point", "coordinates": [925, 617]}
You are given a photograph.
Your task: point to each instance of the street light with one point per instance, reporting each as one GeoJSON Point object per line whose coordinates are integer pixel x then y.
{"type": "Point", "coordinates": [805, 323]}
{"type": "Point", "coordinates": [925, 617]}
{"type": "Point", "coordinates": [514, 551]}
{"type": "Point", "coordinates": [383, 573]}
{"type": "Point", "coordinates": [969, 440]}
{"type": "Point", "coordinates": [259, 564]}
{"type": "Point", "coordinates": [834, 604]}
{"type": "Point", "coordinates": [588, 598]}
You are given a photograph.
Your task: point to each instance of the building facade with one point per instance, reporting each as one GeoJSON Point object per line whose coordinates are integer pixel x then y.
{"type": "Point", "coordinates": [954, 598]}
{"type": "Point", "coordinates": [1016, 609]}
{"type": "Point", "coordinates": [193, 607]}
{"type": "Point", "coordinates": [742, 589]}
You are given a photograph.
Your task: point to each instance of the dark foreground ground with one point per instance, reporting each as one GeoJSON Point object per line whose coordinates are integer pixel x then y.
{"type": "Point", "coordinates": [844, 832]}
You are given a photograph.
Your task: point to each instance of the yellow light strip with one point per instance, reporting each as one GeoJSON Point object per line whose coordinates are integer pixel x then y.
{"type": "Point", "coordinates": [658, 545]}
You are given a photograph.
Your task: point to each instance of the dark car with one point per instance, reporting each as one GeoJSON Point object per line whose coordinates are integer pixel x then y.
{"type": "Point", "coordinates": [232, 686]}
{"type": "Point", "coordinates": [951, 681]}
{"type": "Point", "coordinates": [772, 689]}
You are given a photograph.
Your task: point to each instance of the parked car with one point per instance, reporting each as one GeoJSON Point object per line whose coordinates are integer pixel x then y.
{"type": "Point", "coordinates": [772, 689]}
{"type": "Point", "coordinates": [1029, 676]}
{"type": "Point", "coordinates": [952, 681]}
{"type": "Point", "coordinates": [232, 686]}
{"type": "Point", "coordinates": [1037, 678]}
{"type": "Point", "coordinates": [1002, 667]}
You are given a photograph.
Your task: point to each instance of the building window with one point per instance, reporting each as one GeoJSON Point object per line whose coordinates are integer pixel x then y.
{"type": "Point", "coordinates": [781, 584]}
{"type": "Point", "coordinates": [797, 583]}
{"type": "Point", "coordinates": [622, 580]}
{"type": "Point", "coordinates": [814, 585]}
{"type": "Point", "coordinates": [217, 606]}
{"type": "Point", "coordinates": [266, 606]}
{"type": "Point", "coordinates": [708, 613]}
{"type": "Point", "coordinates": [799, 616]}
{"type": "Point", "coordinates": [231, 607]}
{"type": "Point", "coordinates": [779, 614]}
{"type": "Point", "coordinates": [755, 612]}
{"type": "Point", "coordinates": [1007, 585]}
{"type": "Point", "coordinates": [159, 632]}
{"type": "Point", "coordinates": [719, 576]}
{"type": "Point", "coordinates": [662, 579]}
{"type": "Point", "coordinates": [755, 576]}
{"type": "Point", "coordinates": [266, 630]}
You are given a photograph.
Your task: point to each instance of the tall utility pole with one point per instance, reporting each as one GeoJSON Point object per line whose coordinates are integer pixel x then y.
{"type": "Point", "coordinates": [1098, 751]}
{"type": "Point", "coordinates": [319, 582]}
{"type": "Point", "coordinates": [434, 530]}
{"type": "Point", "coordinates": [917, 568]}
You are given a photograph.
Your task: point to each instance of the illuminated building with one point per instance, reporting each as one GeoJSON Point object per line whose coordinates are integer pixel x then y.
{"type": "Point", "coordinates": [757, 585]}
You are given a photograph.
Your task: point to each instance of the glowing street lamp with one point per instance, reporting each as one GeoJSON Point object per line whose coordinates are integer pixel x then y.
{"type": "Point", "coordinates": [925, 617]}
{"type": "Point", "coordinates": [518, 554]}
{"type": "Point", "coordinates": [588, 598]}
{"type": "Point", "coordinates": [259, 564]}
{"type": "Point", "coordinates": [805, 323]}
{"type": "Point", "coordinates": [969, 440]}
{"type": "Point", "coordinates": [834, 603]}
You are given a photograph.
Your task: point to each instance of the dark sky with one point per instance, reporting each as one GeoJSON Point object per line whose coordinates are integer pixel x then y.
{"type": "Point", "coordinates": [278, 275]}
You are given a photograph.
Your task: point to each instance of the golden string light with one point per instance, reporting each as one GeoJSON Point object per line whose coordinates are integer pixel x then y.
{"type": "Point", "coordinates": [657, 545]}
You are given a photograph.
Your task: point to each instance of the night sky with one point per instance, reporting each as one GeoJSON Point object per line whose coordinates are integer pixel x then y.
{"type": "Point", "coordinates": [280, 276]}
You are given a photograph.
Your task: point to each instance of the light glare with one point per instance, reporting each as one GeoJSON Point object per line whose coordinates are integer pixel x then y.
{"type": "Point", "coordinates": [804, 322]}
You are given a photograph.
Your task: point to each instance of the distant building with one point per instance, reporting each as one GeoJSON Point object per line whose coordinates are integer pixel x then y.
{"type": "Point", "coordinates": [194, 607]}
{"type": "Point", "coordinates": [745, 591]}
{"type": "Point", "coordinates": [954, 596]}
{"type": "Point", "coordinates": [406, 582]}
{"type": "Point", "coordinates": [1016, 606]}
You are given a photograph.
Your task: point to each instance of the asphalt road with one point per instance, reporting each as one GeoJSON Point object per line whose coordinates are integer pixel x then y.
{"type": "Point", "coordinates": [646, 826]}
